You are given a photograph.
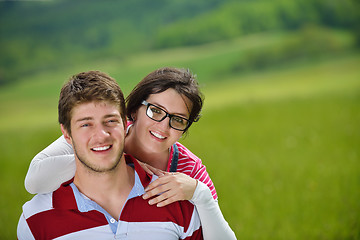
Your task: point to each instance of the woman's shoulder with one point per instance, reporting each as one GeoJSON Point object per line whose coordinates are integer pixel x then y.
{"type": "Point", "coordinates": [188, 162]}
{"type": "Point", "coordinates": [186, 154]}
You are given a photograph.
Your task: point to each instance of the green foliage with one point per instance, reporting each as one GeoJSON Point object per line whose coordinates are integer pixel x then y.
{"type": "Point", "coordinates": [45, 34]}
{"type": "Point", "coordinates": [39, 35]}
{"type": "Point", "coordinates": [244, 17]}
{"type": "Point", "coordinates": [309, 43]}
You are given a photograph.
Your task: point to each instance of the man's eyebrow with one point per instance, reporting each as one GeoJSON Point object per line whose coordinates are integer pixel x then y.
{"type": "Point", "coordinates": [91, 118]}
{"type": "Point", "coordinates": [112, 115]}
{"type": "Point", "coordinates": [84, 119]}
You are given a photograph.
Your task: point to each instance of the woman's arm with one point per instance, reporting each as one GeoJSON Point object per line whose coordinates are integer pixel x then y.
{"type": "Point", "coordinates": [172, 187]}
{"type": "Point", "coordinates": [213, 223]}
{"type": "Point", "coordinates": [51, 167]}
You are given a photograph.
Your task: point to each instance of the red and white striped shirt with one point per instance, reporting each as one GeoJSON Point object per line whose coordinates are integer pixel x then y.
{"type": "Point", "coordinates": [191, 165]}
{"type": "Point", "coordinates": [66, 214]}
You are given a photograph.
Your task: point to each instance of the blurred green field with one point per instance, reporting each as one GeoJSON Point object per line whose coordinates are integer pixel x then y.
{"type": "Point", "coordinates": [283, 150]}
{"type": "Point", "coordinates": [281, 145]}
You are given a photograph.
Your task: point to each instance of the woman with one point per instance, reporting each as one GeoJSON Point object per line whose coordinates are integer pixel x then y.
{"type": "Point", "coordinates": [161, 108]}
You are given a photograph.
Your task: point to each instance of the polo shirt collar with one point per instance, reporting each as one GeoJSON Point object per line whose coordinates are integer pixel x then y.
{"type": "Point", "coordinates": [64, 198]}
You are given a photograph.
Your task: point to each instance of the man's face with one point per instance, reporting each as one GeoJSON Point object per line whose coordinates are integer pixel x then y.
{"type": "Point", "coordinates": [97, 135]}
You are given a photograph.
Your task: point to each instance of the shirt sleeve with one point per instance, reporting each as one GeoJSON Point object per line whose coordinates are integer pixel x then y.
{"type": "Point", "coordinates": [23, 230]}
{"type": "Point", "coordinates": [51, 167]}
{"type": "Point", "coordinates": [200, 173]}
{"type": "Point", "coordinates": [214, 225]}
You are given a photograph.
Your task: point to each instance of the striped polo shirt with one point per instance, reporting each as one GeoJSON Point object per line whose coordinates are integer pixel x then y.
{"type": "Point", "coordinates": [68, 214]}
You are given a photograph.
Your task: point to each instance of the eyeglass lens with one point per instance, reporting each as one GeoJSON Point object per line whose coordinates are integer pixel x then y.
{"type": "Point", "coordinates": [159, 114]}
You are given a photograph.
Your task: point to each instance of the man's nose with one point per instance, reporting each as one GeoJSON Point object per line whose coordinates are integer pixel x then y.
{"type": "Point", "coordinates": [101, 131]}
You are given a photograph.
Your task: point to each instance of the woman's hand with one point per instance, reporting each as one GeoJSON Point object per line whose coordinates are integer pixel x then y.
{"type": "Point", "coordinates": [169, 188]}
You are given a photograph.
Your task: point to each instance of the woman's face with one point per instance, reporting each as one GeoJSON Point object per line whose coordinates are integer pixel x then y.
{"type": "Point", "coordinates": [153, 136]}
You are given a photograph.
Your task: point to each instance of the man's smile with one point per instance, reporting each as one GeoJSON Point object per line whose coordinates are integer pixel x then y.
{"type": "Point", "coordinates": [103, 148]}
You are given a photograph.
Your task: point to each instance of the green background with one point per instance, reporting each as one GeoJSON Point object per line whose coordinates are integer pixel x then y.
{"type": "Point", "coordinates": [280, 128]}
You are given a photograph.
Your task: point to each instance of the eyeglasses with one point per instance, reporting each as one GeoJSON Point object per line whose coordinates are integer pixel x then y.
{"type": "Point", "coordinates": [158, 114]}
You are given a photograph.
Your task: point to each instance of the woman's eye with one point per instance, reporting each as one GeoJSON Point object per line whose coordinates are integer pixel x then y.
{"type": "Point", "coordinates": [178, 120]}
{"type": "Point", "coordinates": [156, 110]}
{"type": "Point", "coordinates": [85, 125]}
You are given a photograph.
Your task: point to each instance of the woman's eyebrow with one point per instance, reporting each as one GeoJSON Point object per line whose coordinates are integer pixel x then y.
{"type": "Point", "coordinates": [164, 108]}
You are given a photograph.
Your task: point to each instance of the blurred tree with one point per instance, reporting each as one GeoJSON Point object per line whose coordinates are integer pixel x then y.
{"type": "Point", "coordinates": [35, 35]}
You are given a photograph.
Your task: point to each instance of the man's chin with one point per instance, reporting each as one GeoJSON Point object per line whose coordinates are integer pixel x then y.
{"type": "Point", "coordinates": [100, 168]}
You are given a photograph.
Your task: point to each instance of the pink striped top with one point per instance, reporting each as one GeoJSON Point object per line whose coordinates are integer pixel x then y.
{"type": "Point", "coordinates": [190, 164]}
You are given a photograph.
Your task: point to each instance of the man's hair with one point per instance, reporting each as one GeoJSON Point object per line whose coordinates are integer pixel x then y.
{"type": "Point", "coordinates": [88, 87]}
{"type": "Point", "coordinates": [181, 80]}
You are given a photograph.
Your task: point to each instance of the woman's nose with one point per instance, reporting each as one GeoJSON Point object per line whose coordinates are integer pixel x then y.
{"type": "Point", "coordinates": [165, 124]}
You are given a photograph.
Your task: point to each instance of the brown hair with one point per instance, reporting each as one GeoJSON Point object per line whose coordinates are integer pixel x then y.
{"type": "Point", "coordinates": [87, 87]}
{"type": "Point", "coordinates": [181, 80]}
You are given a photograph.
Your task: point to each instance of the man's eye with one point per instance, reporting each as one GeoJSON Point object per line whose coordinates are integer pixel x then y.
{"type": "Point", "coordinates": [113, 121]}
{"type": "Point", "coordinates": [85, 125]}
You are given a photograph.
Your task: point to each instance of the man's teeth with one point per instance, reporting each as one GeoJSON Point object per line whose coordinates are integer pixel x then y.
{"type": "Point", "coordinates": [157, 135]}
{"type": "Point", "coordinates": [101, 148]}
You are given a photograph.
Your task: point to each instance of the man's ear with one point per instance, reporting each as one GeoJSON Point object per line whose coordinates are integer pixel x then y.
{"type": "Point", "coordinates": [66, 134]}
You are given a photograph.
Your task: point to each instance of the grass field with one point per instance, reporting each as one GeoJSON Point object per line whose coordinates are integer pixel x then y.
{"type": "Point", "coordinates": [282, 146]}
{"type": "Point", "coordinates": [284, 154]}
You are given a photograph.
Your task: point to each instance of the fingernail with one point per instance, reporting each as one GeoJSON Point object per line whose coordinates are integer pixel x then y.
{"type": "Point", "coordinates": [151, 202]}
{"type": "Point", "coordinates": [145, 196]}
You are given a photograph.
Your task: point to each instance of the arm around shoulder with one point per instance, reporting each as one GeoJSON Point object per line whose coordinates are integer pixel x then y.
{"type": "Point", "coordinates": [51, 167]}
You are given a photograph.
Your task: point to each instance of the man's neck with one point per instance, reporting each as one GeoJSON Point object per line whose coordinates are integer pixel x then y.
{"type": "Point", "coordinates": [110, 190]}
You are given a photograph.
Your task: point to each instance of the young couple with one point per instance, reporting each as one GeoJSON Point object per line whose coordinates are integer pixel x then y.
{"type": "Point", "coordinates": [105, 193]}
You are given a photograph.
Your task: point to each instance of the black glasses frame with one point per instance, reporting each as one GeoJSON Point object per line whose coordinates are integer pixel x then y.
{"type": "Point", "coordinates": [166, 115]}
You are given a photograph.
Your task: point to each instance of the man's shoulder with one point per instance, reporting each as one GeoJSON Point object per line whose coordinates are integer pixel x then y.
{"type": "Point", "coordinates": [39, 203]}
{"type": "Point", "coordinates": [179, 218]}
{"type": "Point", "coordinates": [180, 212]}
{"type": "Point", "coordinates": [60, 198]}
{"type": "Point", "coordinates": [53, 215]}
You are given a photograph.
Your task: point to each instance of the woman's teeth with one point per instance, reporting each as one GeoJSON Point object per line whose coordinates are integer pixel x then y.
{"type": "Point", "coordinates": [157, 135]}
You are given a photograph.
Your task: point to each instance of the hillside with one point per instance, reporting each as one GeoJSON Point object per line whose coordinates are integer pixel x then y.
{"type": "Point", "coordinates": [42, 35]}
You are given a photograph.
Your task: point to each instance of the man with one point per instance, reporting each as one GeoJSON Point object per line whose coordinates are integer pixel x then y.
{"type": "Point", "coordinates": [103, 201]}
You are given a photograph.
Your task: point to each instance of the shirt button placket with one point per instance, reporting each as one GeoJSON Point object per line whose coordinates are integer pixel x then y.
{"type": "Point", "coordinates": [122, 230]}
